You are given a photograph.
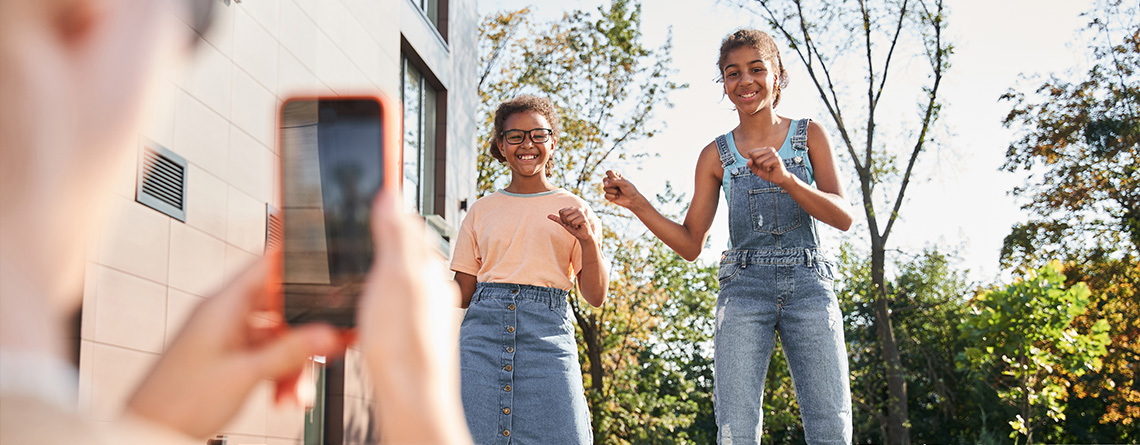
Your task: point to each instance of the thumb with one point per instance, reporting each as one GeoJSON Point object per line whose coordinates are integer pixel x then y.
{"type": "Point", "coordinates": [287, 353]}
{"type": "Point", "coordinates": [554, 218]}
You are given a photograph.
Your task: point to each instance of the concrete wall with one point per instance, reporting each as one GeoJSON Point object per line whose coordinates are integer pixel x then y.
{"type": "Point", "coordinates": [147, 272]}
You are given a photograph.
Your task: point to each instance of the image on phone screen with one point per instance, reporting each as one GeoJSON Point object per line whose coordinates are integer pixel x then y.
{"type": "Point", "coordinates": [332, 167]}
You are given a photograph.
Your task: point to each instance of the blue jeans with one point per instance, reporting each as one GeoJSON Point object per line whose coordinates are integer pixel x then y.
{"type": "Point", "coordinates": [520, 378]}
{"type": "Point", "coordinates": [786, 292]}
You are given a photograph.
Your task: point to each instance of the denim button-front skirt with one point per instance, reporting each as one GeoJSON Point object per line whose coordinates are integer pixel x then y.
{"type": "Point", "coordinates": [521, 380]}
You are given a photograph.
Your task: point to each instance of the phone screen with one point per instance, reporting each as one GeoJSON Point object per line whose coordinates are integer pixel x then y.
{"type": "Point", "coordinates": [332, 166]}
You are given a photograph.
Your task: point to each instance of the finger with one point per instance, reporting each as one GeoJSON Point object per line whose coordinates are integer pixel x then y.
{"type": "Point", "coordinates": [575, 220]}
{"type": "Point", "coordinates": [393, 234]}
{"type": "Point", "coordinates": [286, 354]}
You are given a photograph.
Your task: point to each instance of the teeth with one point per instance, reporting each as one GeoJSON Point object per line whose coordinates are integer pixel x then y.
{"type": "Point", "coordinates": [748, 95]}
{"type": "Point", "coordinates": [528, 157]}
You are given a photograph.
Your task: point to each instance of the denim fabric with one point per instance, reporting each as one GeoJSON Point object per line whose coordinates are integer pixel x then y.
{"type": "Point", "coordinates": [521, 380]}
{"type": "Point", "coordinates": [774, 281]}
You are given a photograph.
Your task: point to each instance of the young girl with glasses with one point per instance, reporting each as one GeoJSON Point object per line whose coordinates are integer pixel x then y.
{"type": "Point", "coordinates": [773, 278]}
{"type": "Point", "coordinates": [517, 255]}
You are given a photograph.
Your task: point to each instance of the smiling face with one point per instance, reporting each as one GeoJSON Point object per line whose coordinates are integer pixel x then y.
{"type": "Point", "coordinates": [749, 80]}
{"type": "Point", "coordinates": [527, 159]}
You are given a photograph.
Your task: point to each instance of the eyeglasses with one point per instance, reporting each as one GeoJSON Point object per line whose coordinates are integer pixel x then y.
{"type": "Point", "coordinates": [537, 135]}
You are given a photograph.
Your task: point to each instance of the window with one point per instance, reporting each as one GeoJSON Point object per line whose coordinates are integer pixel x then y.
{"type": "Point", "coordinates": [431, 10]}
{"type": "Point", "coordinates": [436, 13]}
{"type": "Point", "coordinates": [421, 141]}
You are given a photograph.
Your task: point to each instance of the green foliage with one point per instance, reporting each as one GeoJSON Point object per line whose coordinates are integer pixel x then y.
{"type": "Point", "coordinates": [927, 306]}
{"type": "Point", "coordinates": [1025, 334]}
{"type": "Point", "coordinates": [1105, 404]}
{"type": "Point", "coordinates": [1080, 140]}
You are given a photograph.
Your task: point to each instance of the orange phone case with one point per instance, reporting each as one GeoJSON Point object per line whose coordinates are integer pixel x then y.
{"type": "Point", "coordinates": [392, 157]}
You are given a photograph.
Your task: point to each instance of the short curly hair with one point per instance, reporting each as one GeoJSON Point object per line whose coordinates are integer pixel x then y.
{"type": "Point", "coordinates": [760, 41]}
{"type": "Point", "coordinates": [522, 104]}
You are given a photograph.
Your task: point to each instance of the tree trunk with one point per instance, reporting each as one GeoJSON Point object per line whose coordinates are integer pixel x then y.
{"type": "Point", "coordinates": [593, 343]}
{"type": "Point", "coordinates": [897, 425]}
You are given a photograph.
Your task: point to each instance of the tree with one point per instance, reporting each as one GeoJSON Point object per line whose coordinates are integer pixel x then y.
{"type": "Point", "coordinates": [1080, 140]}
{"type": "Point", "coordinates": [829, 36]}
{"type": "Point", "coordinates": [1025, 332]}
{"type": "Point", "coordinates": [944, 407]}
{"type": "Point", "coordinates": [1105, 407]}
{"type": "Point", "coordinates": [646, 352]}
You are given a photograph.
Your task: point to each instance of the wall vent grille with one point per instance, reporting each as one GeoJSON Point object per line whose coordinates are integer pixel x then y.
{"type": "Point", "coordinates": [274, 228]}
{"type": "Point", "coordinates": [162, 181]}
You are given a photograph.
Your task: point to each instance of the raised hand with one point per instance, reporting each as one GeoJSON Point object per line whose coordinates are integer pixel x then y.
{"type": "Point", "coordinates": [231, 342]}
{"type": "Point", "coordinates": [765, 162]}
{"type": "Point", "coordinates": [620, 191]}
{"type": "Point", "coordinates": [575, 221]}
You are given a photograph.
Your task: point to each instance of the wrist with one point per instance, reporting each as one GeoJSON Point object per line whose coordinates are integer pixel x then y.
{"type": "Point", "coordinates": [788, 180]}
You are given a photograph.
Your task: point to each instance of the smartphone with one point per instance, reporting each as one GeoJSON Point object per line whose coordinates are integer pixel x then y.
{"type": "Point", "coordinates": [336, 154]}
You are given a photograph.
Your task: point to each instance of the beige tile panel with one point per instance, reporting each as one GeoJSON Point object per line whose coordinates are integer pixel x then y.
{"type": "Point", "coordinates": [251, 418]}
{"type": "Point", "coordinates": [179, 306]}
{"type": "Point", "coordinates": [237, 261]}
{"type": "Point", "coordinates": [129, 311]}
{"type": "Point", "coordinates": [246, 228]}
{"type": "Point", "coordinates": [250, 165]}
{"type": "Point", "coordinates": [207, 78]}
{"type": "Point", "coordinates": [336, 70]}
{"type": "Point", "coordinates": [264, 13]}
{"type": "Point", "coordinates": [206, 196]}
{"type": "Point", "coordinates": [201, 135]}
{"type": "Point", "coordinates": [298, 34]}
{"type": "Point", "coordinates": [297, 79]}
{"type": "Point", "coordinates": [255, 106]}
{"type": "Point", "coordinates": [115, 373]}
{"type": "Point", "coordinates": [157, 125]}
{"type": "Point", "coordinates": [255, 50]}
{"type": "Point", "coordinates": [136, 240]}
{"type": "Point", "coordinates": [87, 313]}
{"type": "Point", "coordinates": [221, 33]}
{"type": "Point", "coordinates": [197, 260]}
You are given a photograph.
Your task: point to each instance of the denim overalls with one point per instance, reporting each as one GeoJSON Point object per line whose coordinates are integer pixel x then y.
{"type": "Point", "coordinates": [774, 280]}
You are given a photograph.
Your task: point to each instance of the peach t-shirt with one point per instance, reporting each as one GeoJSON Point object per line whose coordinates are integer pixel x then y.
{"type": "Point", "coordinates": [507, 238]}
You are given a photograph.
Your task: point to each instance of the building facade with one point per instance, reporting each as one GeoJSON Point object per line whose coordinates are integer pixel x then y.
{"type": "Point", "coordinates": [214, 123]}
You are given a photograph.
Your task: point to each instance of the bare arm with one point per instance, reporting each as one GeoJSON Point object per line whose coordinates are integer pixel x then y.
{"type": "Point", "coordinates": [593, 280]}
{"type": "Point", "coordinates": [466, 284]}
{"type": "Point", "coordinates": [825, 201]}
{"type": "Point", "coordinates": [687, 239]}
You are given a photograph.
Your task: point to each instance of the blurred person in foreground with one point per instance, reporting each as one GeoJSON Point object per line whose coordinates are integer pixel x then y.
{"type": "Point", "coordinates": [74, 77]}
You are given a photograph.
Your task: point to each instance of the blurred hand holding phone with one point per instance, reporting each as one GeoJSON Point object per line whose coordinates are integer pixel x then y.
{"type": "Point", "coordinates": [336, 154]}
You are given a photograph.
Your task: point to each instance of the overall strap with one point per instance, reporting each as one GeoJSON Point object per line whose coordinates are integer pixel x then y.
{"type": "Point", "coordinates": [799, 140]}
{"type": "Point", "coordinates": [726, 158]}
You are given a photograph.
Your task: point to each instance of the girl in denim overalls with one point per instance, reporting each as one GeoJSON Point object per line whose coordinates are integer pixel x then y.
{"type": "Point", "coordinates": [773, 278]}
{"type": "Point", "coordinates": [518, 252]}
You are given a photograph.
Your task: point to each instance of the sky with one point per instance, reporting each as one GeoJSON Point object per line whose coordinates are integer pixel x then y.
{"type": "Point", "coordinates": [958, 200]}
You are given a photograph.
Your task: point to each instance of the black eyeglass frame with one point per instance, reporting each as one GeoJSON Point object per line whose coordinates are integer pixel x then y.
{"type": "Point", "coordinates": [526, 134]}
